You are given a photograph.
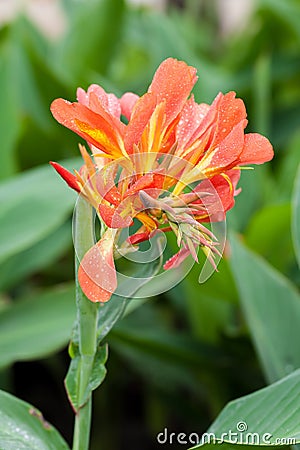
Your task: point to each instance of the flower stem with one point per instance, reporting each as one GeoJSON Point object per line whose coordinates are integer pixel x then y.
{"type": "Point", "coordinates": [87, 326]}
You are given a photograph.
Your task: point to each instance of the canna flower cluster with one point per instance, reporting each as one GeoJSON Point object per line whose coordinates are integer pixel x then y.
{"type": "Point", "coordinates": [170, 164]}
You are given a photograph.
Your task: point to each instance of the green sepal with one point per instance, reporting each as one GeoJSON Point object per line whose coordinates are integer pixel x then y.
{"type": "Point", "coordinates": [97, 374]}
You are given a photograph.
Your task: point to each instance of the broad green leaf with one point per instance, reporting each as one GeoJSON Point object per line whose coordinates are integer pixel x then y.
{"type": "Point", "coordinates": [268, 233]}
{"type": "Point", "coordinates": [36, 258]}
{"type": "Point", "coordinates": [29, 95]}
{"type": "Point", "coordinates": [80, 51]}
{"type": "Point", "coordinates": [296, 216]}
{"type": "Point", "coordinates": [272, 310]}
{"type": "Point", "coordinates": [288, 12]}
{"type": "Point", "coordinates": [9, 112]}
{"type": "Point", "coordinates": [32, 206]}
{"type": "Point", "coordinates": [248, 200]}
{"type": "Point", "coordinates": [109, 313]}
{"type": "Point", "coordinates": [160, 354]}
{"type": "Point", "coordinates": [287, 170]}
{"type": "Point", "coordinates": [22, 427]}
{"type": "Point", "coordinates": [72, 381]}
{"type": "Point", "coordinates": [211, 305]}
{"type": "Point", "coordinates": [268, 416]}
{"type": "Point", "coordinates": [37, 326]}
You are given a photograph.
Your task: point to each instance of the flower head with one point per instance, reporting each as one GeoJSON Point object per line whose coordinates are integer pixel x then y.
{"type": "Point", "coordinates": [174, 166]}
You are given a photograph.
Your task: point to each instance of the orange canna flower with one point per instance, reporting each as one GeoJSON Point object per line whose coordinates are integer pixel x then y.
{"type": "Point", "coordinates": [174, 166]}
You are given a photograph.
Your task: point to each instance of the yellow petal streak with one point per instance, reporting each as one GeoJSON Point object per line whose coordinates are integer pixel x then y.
{"type": "Point", "coordinates": [101, 138]}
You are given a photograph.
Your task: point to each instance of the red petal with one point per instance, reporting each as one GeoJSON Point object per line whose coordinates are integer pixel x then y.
{"type": "Point", "coordinates": [173, 82]}
{"type": "Point", "coordinates": [69, 178]}
{"type": "Point", "coordinates": [177, 259]}
{"type": "Point", "coordinates": [257, 149]}
{"type": "Point", "coordinates": [221, 192]}
{"type": "Point", "coordinates": [138, 237]}
{"type": "Point", "coordinates": [97, 273]}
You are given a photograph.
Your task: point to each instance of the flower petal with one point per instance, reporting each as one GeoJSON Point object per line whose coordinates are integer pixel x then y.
{"type": "Point", "coordinates": [172, 83]}
{"type": "Point", "coordinates": [138, 238]}
{"type": "Point", "coordinates": [128, 101]}
{"type": "Point", "coordinates": [190, 119]}
{"type": "Point", "coordinates": [112, 218]}
{"type": "Point", "coordinates": [97, 274]}
{"type": "Point", "coordinates": [257, 149]}
{"type": "Point", "coordinates": [230, 112]}
{"type": "Point", "coordinates": [89, 125]}
{"type": "Point", "coordinates": [226, 154]}
{"type": "Point", "coordinates": [109, 102]}
{"type": "Point", "coordinates": [177, 259]}
{"type": "Point", "coordinates": [220, 190]}
{"type": "Point", "coordinates": [139, 119]}
{"type": "Point", "coordinates": [69, 178]}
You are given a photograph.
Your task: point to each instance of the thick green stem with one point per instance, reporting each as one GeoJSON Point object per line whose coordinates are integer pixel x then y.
{"type": "Point", "coordinates": [87, 324]}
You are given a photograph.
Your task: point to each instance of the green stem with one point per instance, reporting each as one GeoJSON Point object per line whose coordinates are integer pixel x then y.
{"type": "Point", "coordinates": [87, 323]}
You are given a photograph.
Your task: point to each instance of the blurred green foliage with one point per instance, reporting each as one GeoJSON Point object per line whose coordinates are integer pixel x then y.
{"type": "Point", "coordinates": [177, 360]}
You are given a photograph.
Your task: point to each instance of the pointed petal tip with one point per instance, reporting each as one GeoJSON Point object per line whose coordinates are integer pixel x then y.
{"type": "Point", "coordinates": [67, 176]}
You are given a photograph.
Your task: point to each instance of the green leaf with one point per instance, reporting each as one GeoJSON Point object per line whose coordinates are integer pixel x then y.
{"type": "Point", "coordinates": [167, 358]}
{"type": "Point", "coordinates": [211, 305]}
{"type": "Point", "coordinates": [35, 258]}
{"type": "Point", "coordinates": [287, 170]}
{"type": "Point", "coordinates": [9, 112]}
{"type": "Point", "coordinates": [80, 51]}
{"type": "Point", "coordinates": [22, 427]}
{"type": "Point", "coordinates": [32, 206]}
{"type": "Point", "coordinates": [268, 233]}
{"type": "Point", "coordinates": [73, 376]}
{"type": "Point", "coordinates": [110, 312]}
{"type": "Point", "coordinates": [296, 216]}
{"type": "Point", "coordinates": [268, 415]}
{"type": "Point", "coordinates": [272, 309]}
{"type": "Point", "coordinates": [288, 12]}
{"type": "Point", "coordinates": [35, 327]}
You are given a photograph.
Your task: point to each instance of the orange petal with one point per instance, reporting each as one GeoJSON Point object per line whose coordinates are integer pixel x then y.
{"type": "Point", "coordinates": [112, 218]}
{"type": "Point", "coordinates": [97, 274]}
{"type": "Point", "coordinates": [231, 111]}
{"type": "Point", "coordinates": [108, 102]}
{"type": "Point", "coordinates": [173, 82]}
{"type": "Point", "coordinates": [140, 117]}
{"type": "Point", "coordinates": [190, 119]}
{"type": "Point", "coordinates": [226, 154]}
{"type": "Point", "coordinates": [257, 149]}
{"type": "Point", "coordinates": [89, 125]}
